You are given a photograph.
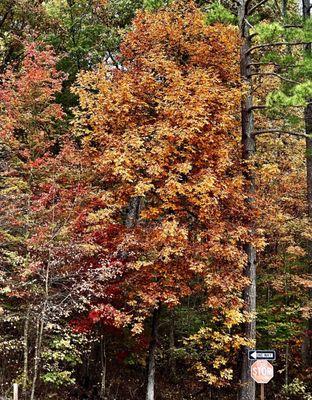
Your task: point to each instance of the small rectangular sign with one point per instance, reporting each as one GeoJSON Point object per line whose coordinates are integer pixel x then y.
{"type": "Point", "coordinates": [262, 355]}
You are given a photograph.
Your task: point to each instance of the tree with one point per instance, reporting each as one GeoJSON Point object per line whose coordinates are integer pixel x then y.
{"type": "Point", "coordinates": [29, 116]}
{"type": "Point", "coordinates": [164, 143]}
{"type": "Point", "coordinates": [307, 349]}
{"type": "Point", "coordinates": [286, 61]}
{"type": "Point", "coordinates": [249, 148]}
{"type": "Point", "coordinates": [260, 40]}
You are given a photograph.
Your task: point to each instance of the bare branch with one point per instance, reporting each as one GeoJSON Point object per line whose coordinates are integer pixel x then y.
{"type": "Point", "coordinates": [257, 6]}
{"type": "Point", "coordinates": [281, 131]}
{"type": "Point", "coordinates": [247, 3]}
{"type": "Point", "coordinates": [274, 74]}
{"type": "Point", "coordinates": [260, 63]}
{"type": "Point", "coordinates": [259, 107]}
{"type": "Point", "coordinates": [5, 16]}
{"type": "Point", "coordinates": [293, 26]}
{"type": "Point", "coordinates": [256, 64]}
{"type": "Point", "coordinates": [250, 26]}
{"type": "Point", "coordinates": [264, 107]}
{"type": "Point", "coordinates": [259, 46]}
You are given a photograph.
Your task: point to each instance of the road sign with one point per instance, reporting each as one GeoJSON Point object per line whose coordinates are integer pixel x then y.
{"type": "Point", "coordinates": [262, 371]}
{"type": "Point", "coordinates": [262, 355]}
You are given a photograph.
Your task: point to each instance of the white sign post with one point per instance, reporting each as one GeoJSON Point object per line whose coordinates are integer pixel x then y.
{"type": "Point", "coordinates": [15, 391]}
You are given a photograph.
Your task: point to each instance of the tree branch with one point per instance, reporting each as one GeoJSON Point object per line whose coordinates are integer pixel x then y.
{"type": "Point", "coordinates": [264, 107]}
{"type": "Point", "coordinates": [293, 26]}
{"type": "Point", "coordinates": [273, 74]}
{"type": "Point", "coordinates": [259, 46]}
{"type": "Point", "coordinates": [256, 64]}
{"type": "Point", "coordinates": [5, 16]}
{"type": "Point", "coordinates": [298, 134]}
{"type": "Point", "coordinates": [246, 6]}
{"type": "Point", "coordinates": [250, 26]}
{"type": "Point", "coordinates": [257, 6]}
{"type": "Point", "coordinates": [260, 107]}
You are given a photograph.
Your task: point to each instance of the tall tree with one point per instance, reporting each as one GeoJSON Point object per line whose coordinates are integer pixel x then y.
{"type": "Point", "coordinates": [307, 346]}
{"type": "Point", "coordinates": [29, 116]}
{"type": "Point", "coordinates": [249, 148]}
{"type": "Point", "coordinates": [162, 129]}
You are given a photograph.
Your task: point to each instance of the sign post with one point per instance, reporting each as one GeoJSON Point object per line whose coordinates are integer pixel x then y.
{"type": "Point", "coordinates": [262, 391]}
{"type": "Point", "coordinates": [15, 391]}
{"type": "Point", "coordinates": [262, 372]}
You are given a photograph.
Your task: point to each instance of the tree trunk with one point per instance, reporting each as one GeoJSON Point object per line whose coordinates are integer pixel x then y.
{"type": "Point", "coordinates": [40, 329]}
{"type": "Point", "coordinates": [104, 366]}
{"type": "Point", "coordinates": [133, 213]}
{"type": "Point", "coordinates": [151, 356]}
{"type": "Point", "coordinates": [247, 391]}
{"type": "Point", "coordinates": [172, 360]}
{"type": "Point", "coordinates": [36, 361]}
{"type": "Point", "coordinates": [248, 387]}
{"type": "Point", "coordinates": [307, 343]}
{"type": "Point", "coordinates": [25, 367]}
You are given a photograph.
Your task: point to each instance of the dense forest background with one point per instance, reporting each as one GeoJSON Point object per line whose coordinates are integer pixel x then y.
{"type": "Point", "coordinates": [156, 198]}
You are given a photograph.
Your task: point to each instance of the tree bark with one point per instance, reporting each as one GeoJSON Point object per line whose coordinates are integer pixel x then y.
{"type": "Point", "coordinates": [133, 213]}
{"type": "Point", "coordinates": [25, 367]}
{"type": "Point", "coordinates": [247, 391]}
{"type": "Point", "coordinates": [307, 343]}
{"type": "Point", "coordinates": [172, 360]}
{"type": "Point", "coordinates": [36, 359]}
{"type": "Point", "coordinates": [104, 367]}
{"type": "Point", "coordinates": [150, 390]}
{"type": "Point", "coordinates": [40, 328]}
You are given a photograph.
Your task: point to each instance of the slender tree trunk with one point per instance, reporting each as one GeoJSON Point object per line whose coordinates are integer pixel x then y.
{"type": "Point", "coordinates": [36, 361]}
{"type": "Point", "coordinates": [104, 366]}
{"type": "Point", "coordinates": [40, 328]}
{"type": "Point", "coordinates": [287, 365]}
{"type": "Point", "coordinates": [247, 391]}
{"type": "Point", "coordinates": [308, 124]}
{"type": "Point", "coordinates": [172, 360]}
{"type": "Point", "coordinates": [151, 356]}
{"type": "Point", "coordinates": [25, 367]}
{"type": "Point", "coordinates": [307, 344]}
{"type": "Point", "coordinates": [287, 272]}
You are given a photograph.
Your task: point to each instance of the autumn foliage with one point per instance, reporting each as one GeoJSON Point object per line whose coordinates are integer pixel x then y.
{"type": "Point", "coordinates": [129, 206]}
{"type": "Point", "coordinates": [28, 116]}
{"type": "Point", "coordinates": [162, 138]}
